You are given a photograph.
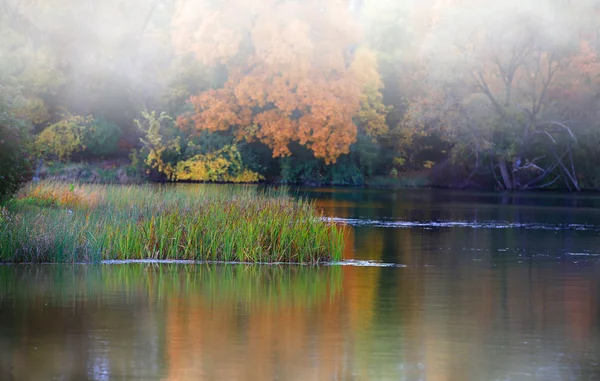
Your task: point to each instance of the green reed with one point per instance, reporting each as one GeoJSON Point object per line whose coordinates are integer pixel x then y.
{"type": "Point", "coordinates": [55, 222]}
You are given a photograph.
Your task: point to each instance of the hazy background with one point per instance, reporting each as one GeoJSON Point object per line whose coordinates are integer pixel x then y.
{"type": "Point", "coordinates": [493, 94]}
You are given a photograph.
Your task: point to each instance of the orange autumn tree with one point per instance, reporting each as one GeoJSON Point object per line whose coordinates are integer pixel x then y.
{"type": "Point", "coordinates": [290, 75]}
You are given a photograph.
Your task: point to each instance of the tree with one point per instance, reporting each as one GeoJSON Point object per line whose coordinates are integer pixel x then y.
{"type": "Point", "coordinates": [289, 71]}
{"type": "Point", "coordinates": [224, 165]}
{"type": "Point", "coordinates": [160, 147]}
{"type": "Point", "coordinates": [372, 113]}
{"type": "Point", "coordinates": [15, 163]}
{"type": "Point", "coordinates": [492, 93]}
{"type": "Point", "coordinates": [63, 139]}
{"type": "Point", "coordinates": [101, 137]}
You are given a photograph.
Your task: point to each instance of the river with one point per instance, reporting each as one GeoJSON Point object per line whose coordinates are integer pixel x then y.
{"type": "Point", "coordinates": [484, 286]}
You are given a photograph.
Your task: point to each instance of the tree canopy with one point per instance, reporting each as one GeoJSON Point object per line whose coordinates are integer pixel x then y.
{"type": "Point", "coordinates": [464, 92]}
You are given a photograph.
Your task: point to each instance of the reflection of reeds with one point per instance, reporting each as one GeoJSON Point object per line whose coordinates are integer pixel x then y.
{"type": "Point", "coordinates": [53, 222]}
{"type": "Point", "coordinates": [258, 286]}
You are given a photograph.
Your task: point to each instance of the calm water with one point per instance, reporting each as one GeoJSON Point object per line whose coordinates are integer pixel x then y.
{"type": "Point", "coordinates": [494, 288]}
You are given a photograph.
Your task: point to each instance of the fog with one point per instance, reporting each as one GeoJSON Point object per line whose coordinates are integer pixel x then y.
{"type": "Point", "coordinates": [316, 73]}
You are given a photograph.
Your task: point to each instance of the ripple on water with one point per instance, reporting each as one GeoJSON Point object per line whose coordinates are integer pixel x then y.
{"type": "Point", "coordinates": [460, 224]}
{"type": "Point", "coordinates": [359, 263]}
{"type": "Point", "coordinates": [583, 254]}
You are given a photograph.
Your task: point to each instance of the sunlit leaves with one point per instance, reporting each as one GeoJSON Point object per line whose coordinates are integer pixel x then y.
{"type": "Point", "coordinates": [224, 165]}
{"type": "Point", "coordinates": [372, 113]}
{"type": "Point", "coordinates": [63, 139]}
{"type": "Point", "coordinates": [157, 145]}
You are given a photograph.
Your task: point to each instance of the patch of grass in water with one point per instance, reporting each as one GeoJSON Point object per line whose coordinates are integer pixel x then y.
{"type": "Point", "coordinates": [57, 222]}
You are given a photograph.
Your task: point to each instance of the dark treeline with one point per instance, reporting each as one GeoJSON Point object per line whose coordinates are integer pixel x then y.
{"type": "Point", "coordinates": [459, 93]}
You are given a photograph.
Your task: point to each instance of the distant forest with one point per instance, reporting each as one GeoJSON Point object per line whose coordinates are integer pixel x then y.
{"type": "Point", "coordinates": [452, 93]}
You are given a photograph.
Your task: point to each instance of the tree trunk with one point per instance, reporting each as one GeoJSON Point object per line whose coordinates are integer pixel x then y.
{"type": "Point", "coordinates": [506, 177]}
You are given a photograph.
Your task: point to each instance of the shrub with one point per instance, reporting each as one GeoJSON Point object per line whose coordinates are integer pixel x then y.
{"type": "Point", "coordinates": [101, 137]}
{"type": "Point", "coordinates": [63, 139]}
{"type": "Point", "coordinates": [224, 165]}
{"type": "Point", "coordinates": [161, 148]}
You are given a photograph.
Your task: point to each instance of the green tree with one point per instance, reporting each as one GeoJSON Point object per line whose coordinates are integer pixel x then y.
{"type": "Point", "coordinates": [15, 163]}
{"type": "Point", "coordinates": [161, 148]}
{"type": "Point", "coordinates": [101, 138]}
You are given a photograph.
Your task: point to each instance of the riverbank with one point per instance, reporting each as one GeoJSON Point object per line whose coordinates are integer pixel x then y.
{"type": "Point", "coordinates": [122, 172]}
{"type": "Point", "coordinates": [58, 222]}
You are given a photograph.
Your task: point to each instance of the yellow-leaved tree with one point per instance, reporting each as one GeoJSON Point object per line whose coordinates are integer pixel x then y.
{"type": "Point", "coordinates": [224, 165]}
{"type": "Point", "coordinates": [64, 138]}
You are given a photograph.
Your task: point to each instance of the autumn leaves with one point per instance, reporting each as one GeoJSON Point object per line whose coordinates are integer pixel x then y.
{"type": "Point", "coordinates": [292, 73]}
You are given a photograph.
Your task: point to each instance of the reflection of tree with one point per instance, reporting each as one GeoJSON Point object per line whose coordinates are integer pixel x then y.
{"type": "Point", "coordinates": [484, 323]}
{"type": "Point", "coordinates": [272, 317]}
{"type": "Point", "coordinates": [298, 323]}
{"type": "Point", "coordinates": [101, 322]}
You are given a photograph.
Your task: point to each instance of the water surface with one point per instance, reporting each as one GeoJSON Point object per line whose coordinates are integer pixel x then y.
{"type": "Point", "coordinates": [493, 287]}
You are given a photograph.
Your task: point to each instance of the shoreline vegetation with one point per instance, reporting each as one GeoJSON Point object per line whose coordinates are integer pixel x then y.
{"type": "Point", "coordinates": [61, 223]}
{"type": "Point", "coordinates": [121, 172]}
{"type": "Point", "coordinates": [378, 97]}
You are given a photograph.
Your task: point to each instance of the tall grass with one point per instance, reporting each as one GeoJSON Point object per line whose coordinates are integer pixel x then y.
{"type": "Point", "coordinates": [56, 222]}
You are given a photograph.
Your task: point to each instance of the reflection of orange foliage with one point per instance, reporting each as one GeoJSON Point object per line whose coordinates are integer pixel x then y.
{"type": "Point", "coordinates": [361, 283]}
{"type": "Point", "coordinates": [268, 341]}
{"type": "Point", "coordinates": [361, 286]}
{"type": "Point", "coordinates": [579, 309]}
{"type": "Point", "coordinates": [290, 76]}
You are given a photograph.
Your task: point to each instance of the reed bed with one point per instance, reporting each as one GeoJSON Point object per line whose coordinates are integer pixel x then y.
{"type": "Point", "coordinates": [57, 222]}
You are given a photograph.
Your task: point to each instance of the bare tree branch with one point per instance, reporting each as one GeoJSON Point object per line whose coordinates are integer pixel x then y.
{"type": "Point", "coordinates": [562, 125]}
{"type": "Point", "coordinates": [569, 174]}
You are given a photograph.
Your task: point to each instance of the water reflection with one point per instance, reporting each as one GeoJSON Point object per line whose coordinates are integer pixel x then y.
{"type": "Point", "coordinates": [456, 228]}
{"type": "Point", "coordinates": [174, 322]}
{"type": "Point", "coordinates": [471, 304]}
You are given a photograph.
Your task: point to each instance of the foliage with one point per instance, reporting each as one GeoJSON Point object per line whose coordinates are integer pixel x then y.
{"type": "Point", "coordinates": [372, 114]}
{"type": "Point", "coordinates": [33, 111]}
{"type": "Point", "coordinates": [486, 94]}
{"type": "Point", "coordinates": [307, 171]}
{"type": "Point", "coordinates": [54, 222]}
{"type": "Point", "coordinates": [15, 163]}
{"type": "Point", "coordinates": [101, 138]}
{"type": "Point", "coordinates": [63, 139]}
{"type": "Point", "coordinates": [499, 108]}
{"type": "Point", "coordinates": [362, 162]}
{"type": "Point", "coordinates": [224, 165]}
{"type": "Point", "coordinates": [407, 181]}
{"type": "Point", "coordinates": [291, 83]}
{"type": "Point", "coordinates": [160, 146]}
{"type": "Point", "coordinates": [205, 143]}
{"type": "Point", "coordinates": [208, 158]}
{"type": "Point", "coordinates": [104, 172]}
